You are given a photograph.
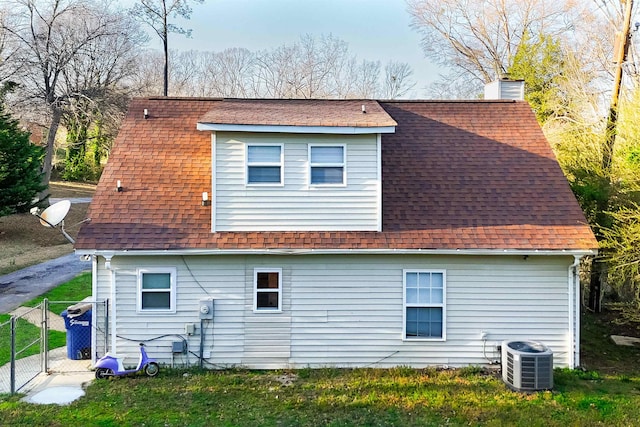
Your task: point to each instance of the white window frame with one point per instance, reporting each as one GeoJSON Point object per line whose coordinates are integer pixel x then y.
{"type": "Point", "coordinates": [406, 305]}
{"type": "Point", "coordinates": [280, 164]}
{"type": "Point", "coordinates": [256, 291]}
{"type": "Point", "coordinates": [172, 271]}
{"type": "Point", "coordinates": [342, 165]}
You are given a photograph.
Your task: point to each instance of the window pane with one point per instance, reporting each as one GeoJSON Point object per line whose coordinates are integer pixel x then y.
{"type": "Point", "coordinates": [267, 300]}
{"type": "Point", "coordinates": [156, 281]}
{"type": "Point", "coordinates": [424, 322]}
{"type": "Point", "coordinates": [263, 154]}
{"type": "Point", "coordinates": [435, 329]}
{"type": "Point", "coordinates": [437, 280]}
{"type": "Point", "coordinates": [424, 280]}
{"type": "Point", "coordinates": [412, 295]}
{"type": "Point", "coordinates": [412, 280]}
{"type": "Point", "coordinates": [436, 296]}
{"type": "Point", "coordinates": [327, 155]}
{"type": "Point", "coordinates": [267, 281]}
{"type": "Point", "coordinates": [412, 328]}
{"type": "Point", "coordinates": [260, 174]}
{"type": "Point", "coordinates": [156, 300]}
{"type": "Point", "coordinates": [423, 296]}
{"type": "Point", "coordinates": [327, 175]}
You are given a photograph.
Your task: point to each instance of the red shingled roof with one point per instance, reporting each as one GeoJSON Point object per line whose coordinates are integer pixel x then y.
{"type": "Point", "coordinates": [298, 112]}
{"type": "Point", "coordinates": [456, 175]}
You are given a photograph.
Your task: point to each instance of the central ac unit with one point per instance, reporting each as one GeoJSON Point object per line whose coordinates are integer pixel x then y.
{"type": "Point", "coordinates": [527, 365]}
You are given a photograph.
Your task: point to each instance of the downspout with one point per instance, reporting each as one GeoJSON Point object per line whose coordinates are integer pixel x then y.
{"type": "Point", "coordinates": [379, 180]}
{"type": "Point", "coordinates": [214, 182]}
{"type": "Point", "coordinates": [574, 312]}
{"type": "Point", "coordinates": [112, 302]}
{"type": "Point", "coordinates": [94, 315]}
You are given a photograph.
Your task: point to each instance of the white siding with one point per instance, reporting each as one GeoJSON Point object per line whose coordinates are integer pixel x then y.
{"type": "Point", "coordinates": [296, 205]}
{"type": "Point", "coordinates": [347, 310]}
{"type": "Point", "coordinates": [504, 89]}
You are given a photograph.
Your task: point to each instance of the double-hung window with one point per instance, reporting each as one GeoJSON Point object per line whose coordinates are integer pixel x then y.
{"type": "Point", "coordinates": [267, 285]}
{"type": "Point", "coordinates": [327, 164]}
{"type": "Point", "coordinates": [424, 305]}
{"type": "Point", "coordinates": [156, 290]}
{"type": "Point", "coordinates": [264, 164]}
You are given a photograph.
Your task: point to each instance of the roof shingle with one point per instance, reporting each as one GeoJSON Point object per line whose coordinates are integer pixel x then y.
{"type": "Point", "coordinates": [298, 112]}
{"type": "Point", "coordinates": [456, 175]}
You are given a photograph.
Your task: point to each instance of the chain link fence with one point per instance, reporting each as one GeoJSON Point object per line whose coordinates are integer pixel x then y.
{"type": "Point", "coordinates": [54, 336]}
{"type": "Point", "coordinates": [21, 349]}
{"type": "Point", "coordinates": [81, 322]}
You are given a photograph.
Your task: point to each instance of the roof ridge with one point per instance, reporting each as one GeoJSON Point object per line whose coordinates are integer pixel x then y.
{"type": "Point", "coordinates": [387, 101]}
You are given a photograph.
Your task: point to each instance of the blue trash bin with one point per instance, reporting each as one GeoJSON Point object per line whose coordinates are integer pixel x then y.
{"type": "Point", "coordinates": [78, 334]}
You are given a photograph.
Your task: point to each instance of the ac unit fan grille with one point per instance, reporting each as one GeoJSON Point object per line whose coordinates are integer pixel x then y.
{"type": "Point", "coordinates": [536, 372]}
{"type": "Point", "coordinates": [510, 376]}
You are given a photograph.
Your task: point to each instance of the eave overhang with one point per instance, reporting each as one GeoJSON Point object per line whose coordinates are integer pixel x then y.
{"type": "Point", "coordinates": [334, 130]}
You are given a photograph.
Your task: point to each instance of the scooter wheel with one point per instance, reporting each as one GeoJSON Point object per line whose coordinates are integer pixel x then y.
{"type": "Point", "coordinates": [152, 369]}
{"type": "Point", "coordinates": [102, 373]}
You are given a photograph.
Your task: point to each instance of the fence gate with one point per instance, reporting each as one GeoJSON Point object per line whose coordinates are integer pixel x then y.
{"type": "Point", "coordinates": [73, 327]}
{"type": "Point", "coordinates": [21, 342]}
{"type": "Point", "coordinates": [54, 336]}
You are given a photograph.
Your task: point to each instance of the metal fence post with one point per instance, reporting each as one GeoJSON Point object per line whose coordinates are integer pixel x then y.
{"type": "Point", "coordinates": [12, 368]}
{"type": "Point", "coordinates": [45, 334]}
{"type": "Point", "coordinates": [106, 326]}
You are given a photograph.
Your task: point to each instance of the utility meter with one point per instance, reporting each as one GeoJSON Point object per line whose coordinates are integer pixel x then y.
{"type": "Point", "coordinates": [206, 309]}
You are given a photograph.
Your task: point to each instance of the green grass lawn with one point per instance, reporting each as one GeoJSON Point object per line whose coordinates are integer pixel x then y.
{"type": "Point", "coordinates": [607, 394]}
{"type": "Point", "coordinates": [338, 397]}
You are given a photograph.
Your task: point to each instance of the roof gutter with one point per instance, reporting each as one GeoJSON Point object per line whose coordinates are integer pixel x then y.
{"type": "Point", "coordinates": [485, 252]}
{"type": "Point", "coordinates": [339, 130]}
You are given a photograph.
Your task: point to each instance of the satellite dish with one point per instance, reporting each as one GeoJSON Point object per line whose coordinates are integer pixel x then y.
{"type": "Point", "coordinates": [55, 213]}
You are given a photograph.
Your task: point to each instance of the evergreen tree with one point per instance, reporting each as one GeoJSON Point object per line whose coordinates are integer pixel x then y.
{"type": "Point", "coordinates": [540, 64]}
{"type": "Point", "coordinates": [20, 167]}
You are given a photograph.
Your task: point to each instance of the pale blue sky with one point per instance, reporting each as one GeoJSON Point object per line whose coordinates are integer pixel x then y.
{"type": "Point", "coordinates": [374, 29]}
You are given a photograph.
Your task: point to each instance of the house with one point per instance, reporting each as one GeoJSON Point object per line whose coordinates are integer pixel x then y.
{"type": "Point", "coordinates": [335, 233]}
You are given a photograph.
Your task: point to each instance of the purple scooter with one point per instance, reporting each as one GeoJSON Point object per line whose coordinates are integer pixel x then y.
{"type": "Point", "coordinates": [109, 366]}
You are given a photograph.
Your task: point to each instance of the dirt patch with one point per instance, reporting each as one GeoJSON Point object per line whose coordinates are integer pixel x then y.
{"type": "Point", "coordinates": [599, 352]}
{"type": "Point", "coordinates": [71, 189]}
{"type": "Point", "coordinates": [24, 242]}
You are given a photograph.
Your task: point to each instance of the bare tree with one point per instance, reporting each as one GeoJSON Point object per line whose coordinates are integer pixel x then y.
{"type": "Point", "coordinates": [277, 77]}
{"type": "Point", "coordinates": [313, 67]}
{"type": "Point", "coordinates": [230, 73]}
{"type": "Point", "coordinates": [362, 80]}
{"type": "Point", "coordinates": [185, 72]}
{"type": "Point", "coordinates": [397, 80]}
{"type": "Point", "coordinates": [478, 38]}
{"type": "Point", "coordinates": [98, 81]}
{"type": "Point", "coordinates": [156, 14]}
{"type": "Point", "coordinates": [9, 65]}
{"type": "Point", "coordinates": [54, 40]}
{"type": "Point", "coordinates": [148, 80]}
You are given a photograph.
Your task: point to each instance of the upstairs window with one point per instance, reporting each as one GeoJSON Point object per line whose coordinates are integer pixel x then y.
{"type": "Point", "coordinates": [327, 164]}
{"type": "Point", "coordinates": [267, 289]}
{"type": "Point", "coordinates": [264, 164]}
{"type": "Point", "coordinates": [424, 305]}
{"type": "Point", "coordinates": [157, 290]}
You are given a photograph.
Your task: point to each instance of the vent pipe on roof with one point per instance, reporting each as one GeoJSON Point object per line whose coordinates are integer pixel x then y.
{"type": "Point", "coordinates": [505, 88]}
